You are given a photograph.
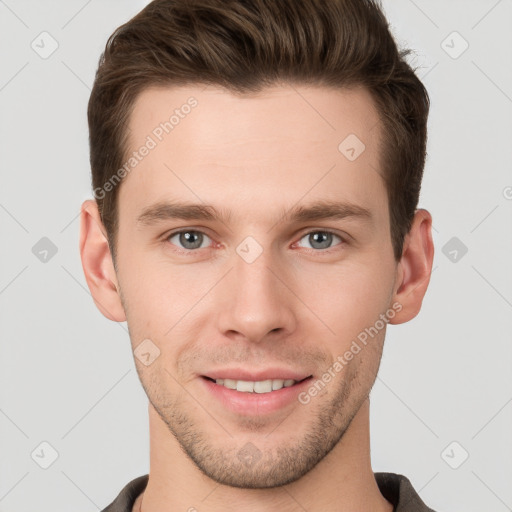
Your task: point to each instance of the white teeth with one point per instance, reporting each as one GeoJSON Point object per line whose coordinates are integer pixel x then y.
{"type": "Point", "coordinates": [231, 384]}
{"type": "Point", "coordinates": [261, 386]}
{"type": "Point", "coordinates": [245, 385]}
{"type": "Point", "coordinates": [277, 384]}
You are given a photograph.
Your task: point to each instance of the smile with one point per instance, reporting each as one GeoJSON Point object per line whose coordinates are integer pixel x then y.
{"type": "Point", "coordinates": [250, 392]}
{"type": "Point", "coordinates": [259, 386]}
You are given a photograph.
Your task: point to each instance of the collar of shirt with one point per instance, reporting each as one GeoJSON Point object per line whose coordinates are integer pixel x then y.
{"type": "Point", "coordinates": [397, 489]}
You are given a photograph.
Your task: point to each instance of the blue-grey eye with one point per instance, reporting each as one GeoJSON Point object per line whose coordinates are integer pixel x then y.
{"type": "Point", "coordinates": [320, 239]}
{"type": "Point", "coordinates": [189, 239]}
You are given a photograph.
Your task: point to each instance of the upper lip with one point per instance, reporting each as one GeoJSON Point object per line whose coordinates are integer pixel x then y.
{"type": "Point", "coordinates": [252, 375]}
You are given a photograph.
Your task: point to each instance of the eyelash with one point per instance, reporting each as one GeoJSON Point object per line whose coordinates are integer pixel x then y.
{"type": "Point", "coordinates": [189, 252]}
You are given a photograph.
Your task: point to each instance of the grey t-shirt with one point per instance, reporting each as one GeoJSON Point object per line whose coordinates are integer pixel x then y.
{"type": "Point", "coordinates": [397, 489]}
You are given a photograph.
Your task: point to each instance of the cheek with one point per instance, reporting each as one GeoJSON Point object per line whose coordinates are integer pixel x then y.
{"type": "Point", "coordinates": [346, 299]}
{"type": "Point", "coordinates": [146, 293]}
{"type": "Point", "coordinates": [161, 298]}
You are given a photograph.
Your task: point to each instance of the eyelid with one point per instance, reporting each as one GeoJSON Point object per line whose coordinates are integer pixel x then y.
{"type": "Point", "coordinates": [308, 231]}
{"type": "Point", "coordinates": [169, 234]}
{"type": "Point", "coordinates": [304, 233]}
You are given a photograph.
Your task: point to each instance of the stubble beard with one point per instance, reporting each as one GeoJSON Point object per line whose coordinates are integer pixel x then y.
{"type": "Point", "coordinates": [244, 464]}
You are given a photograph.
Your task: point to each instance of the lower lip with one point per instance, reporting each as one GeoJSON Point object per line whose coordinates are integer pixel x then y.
{"type": "Point", "coordinates": [245, 403]}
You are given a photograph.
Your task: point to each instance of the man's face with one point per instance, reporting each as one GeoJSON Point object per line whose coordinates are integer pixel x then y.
{"type": "Point", "coordinates": [256, 294]}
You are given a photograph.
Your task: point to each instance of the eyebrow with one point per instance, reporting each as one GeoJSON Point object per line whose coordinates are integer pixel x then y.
{"type": "Point", "coordinates": [163, 211]}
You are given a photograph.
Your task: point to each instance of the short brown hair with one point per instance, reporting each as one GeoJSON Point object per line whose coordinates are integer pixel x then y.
{"type": "Point", "coordinates": [246, 45]}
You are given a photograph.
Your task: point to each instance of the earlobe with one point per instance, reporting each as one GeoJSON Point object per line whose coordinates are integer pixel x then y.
{"type": "Point", "coordinates": [414, 268]}
{"type": "Point", "coordinates": [97, 263]}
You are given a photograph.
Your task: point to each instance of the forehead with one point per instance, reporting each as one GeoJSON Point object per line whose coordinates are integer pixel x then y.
{"type": "Point", "coordinates": [222, 117]}
{"type": "Point", "coordinates": [285, 141]}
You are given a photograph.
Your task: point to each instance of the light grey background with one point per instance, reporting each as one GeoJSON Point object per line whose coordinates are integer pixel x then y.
{"type": "Point", "coordinates": [67, 375]}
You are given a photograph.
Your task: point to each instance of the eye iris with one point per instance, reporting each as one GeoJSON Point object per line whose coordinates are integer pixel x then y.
{"type": "Point", "coordinates": [194, 239]}
{"type": "Point", "coordinates": [187, 236]}
{"type": "Point", "coordinates": [321, 237]}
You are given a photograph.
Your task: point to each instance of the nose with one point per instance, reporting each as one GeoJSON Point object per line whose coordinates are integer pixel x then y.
{"type": "Point", "coordinates": [255, 300]}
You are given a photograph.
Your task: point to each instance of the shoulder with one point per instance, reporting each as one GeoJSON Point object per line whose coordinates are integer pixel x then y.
{"type": "Point", "coordinates": [126, 498]}
{"type": "Point", "coordinates": [398, 490]}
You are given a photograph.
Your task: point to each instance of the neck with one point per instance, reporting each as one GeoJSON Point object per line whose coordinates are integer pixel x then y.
{"type": "Point", "coordinates": [342, 481]}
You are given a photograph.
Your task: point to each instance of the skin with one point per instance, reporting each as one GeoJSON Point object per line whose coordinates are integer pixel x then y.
{"type": "Point", "coordinates": [298, 305]}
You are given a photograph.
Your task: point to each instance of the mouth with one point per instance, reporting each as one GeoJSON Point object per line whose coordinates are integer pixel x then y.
{"type": "Point", "coordinates": [255, 394]}
{"type": "Point", "coordinates": [256, 386]}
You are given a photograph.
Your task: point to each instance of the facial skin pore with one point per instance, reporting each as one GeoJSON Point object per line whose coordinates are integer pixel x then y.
{"type": "Point", "coordinates": [290, 299]}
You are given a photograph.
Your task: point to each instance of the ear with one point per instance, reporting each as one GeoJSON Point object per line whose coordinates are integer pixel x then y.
{"type": "Point", "coordinates": [414, 268]}
{"type": "Point", "coordinates": [97, 263]}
